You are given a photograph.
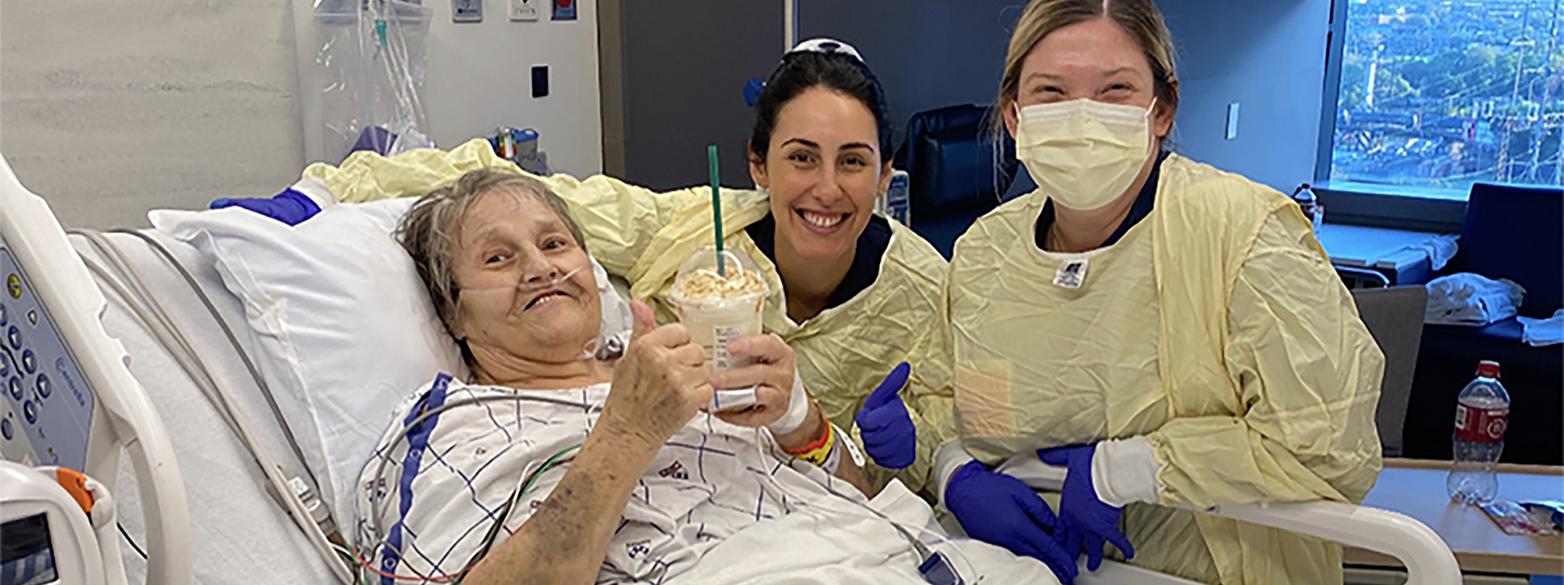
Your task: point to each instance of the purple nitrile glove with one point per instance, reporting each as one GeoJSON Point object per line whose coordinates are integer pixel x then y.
{"type": "Point", "coordinates": [887, 430]}
{"type": "Point", "coordinates": [1001, 510]}
{"type": "Point", "coordinates": [1087, 520]}
{"type": "Point", "coordinates": [290, 207]}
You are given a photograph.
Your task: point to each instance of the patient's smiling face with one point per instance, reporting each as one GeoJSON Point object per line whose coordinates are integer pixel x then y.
{"type": "Point", "coordinates": [516, 302]}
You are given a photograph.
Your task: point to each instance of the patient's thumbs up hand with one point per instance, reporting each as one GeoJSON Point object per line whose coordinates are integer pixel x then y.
{"type": "Point", "coordinates": [660, 383]}
{"type": "Point", "coordinates": [645, 320]}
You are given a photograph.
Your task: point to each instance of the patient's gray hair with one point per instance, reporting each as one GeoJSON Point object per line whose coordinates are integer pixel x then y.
{"type": "Point", "coordinates": [431, 231]}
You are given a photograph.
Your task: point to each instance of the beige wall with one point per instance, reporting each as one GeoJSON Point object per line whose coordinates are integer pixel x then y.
{"type": "Point", "coordinates": [110, 108]}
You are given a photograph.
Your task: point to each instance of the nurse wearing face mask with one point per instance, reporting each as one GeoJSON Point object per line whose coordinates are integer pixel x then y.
{"type": "Point", "coordinates": [1165, 333]}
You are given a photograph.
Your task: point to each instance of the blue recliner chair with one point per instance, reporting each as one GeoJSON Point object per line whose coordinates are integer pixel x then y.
{"type": "Point", "coordinates": [1516, 233]}
{"type": "Point", "coordinates": [955, 174]}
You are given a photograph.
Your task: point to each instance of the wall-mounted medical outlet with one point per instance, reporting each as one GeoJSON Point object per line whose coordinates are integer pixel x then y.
{"type": "Point", "coordinates": [524, 10]}
{"type": "Point", "coordinates": [466, 10]}
{"type": "Point", "coordinates": [1232, 121]}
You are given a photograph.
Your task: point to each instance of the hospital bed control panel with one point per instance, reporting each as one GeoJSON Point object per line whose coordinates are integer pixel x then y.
{"type": "Point", "coordinates": [47, 410]}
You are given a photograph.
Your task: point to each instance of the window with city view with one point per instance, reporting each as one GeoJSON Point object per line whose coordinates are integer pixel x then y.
{"type": "Point", "coordinates": [1446, 93]}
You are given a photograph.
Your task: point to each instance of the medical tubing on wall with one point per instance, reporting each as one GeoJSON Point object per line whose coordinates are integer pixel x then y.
{"type": "Point", "coordinates": [171, 338]}
{"type": "Point", "coordinates": [369, 66]}
{"type": "Point", "coordinates": [368, 55]}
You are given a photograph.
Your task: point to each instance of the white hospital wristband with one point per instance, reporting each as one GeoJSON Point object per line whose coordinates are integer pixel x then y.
{"type": "Point", "coordinates": [833, 461]}
{"type": "Point", "coordinates": [797, 409]}
{"type": "Point", "coordinates": [1125, 471]}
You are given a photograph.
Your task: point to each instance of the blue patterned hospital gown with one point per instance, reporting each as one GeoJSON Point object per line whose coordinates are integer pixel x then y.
{"type": "Point", "coordinates": [443, 487]}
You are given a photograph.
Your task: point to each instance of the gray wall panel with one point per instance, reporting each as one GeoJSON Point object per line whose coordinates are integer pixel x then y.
{"type": "Point", "coordinates": [685, 63]}
{"type": "Point", "coordinates": [927, 53]}
{"type": "Point", "coordinates": [683, 77]}
{"type": "Point", "coordinates": [1269, 57]}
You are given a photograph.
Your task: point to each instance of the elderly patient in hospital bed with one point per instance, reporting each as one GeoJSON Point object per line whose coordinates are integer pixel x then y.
{"type": "Point", "coordinates": [554, 465]}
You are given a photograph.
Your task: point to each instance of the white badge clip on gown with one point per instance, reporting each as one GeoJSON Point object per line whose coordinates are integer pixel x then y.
{"type": "Point", "coordinates": [1071, 273]}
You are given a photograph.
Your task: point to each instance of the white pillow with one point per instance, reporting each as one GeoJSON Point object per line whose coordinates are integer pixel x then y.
{"type": "Point", "coordinates": [344, 325]}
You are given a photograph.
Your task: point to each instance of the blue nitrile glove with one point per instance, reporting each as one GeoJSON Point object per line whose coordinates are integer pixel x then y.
{"type": "Point", "coordinates": [290, 207]}
{"type": "Point", "coordinates": [887, 430]}
{"type": "Point", "coordinates": [1087, 520]}
{"type": "Point", "coordinates": [1001, 510]}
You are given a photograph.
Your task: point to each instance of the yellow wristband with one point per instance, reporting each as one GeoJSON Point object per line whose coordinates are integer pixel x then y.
{"type": "Point", "coordinates": [819, 455]}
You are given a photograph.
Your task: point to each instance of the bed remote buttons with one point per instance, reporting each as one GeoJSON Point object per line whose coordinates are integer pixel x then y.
{"type": "Point", "coordinates": [41, 382]}
{"type": "Point", "coordinates": [5, 428]}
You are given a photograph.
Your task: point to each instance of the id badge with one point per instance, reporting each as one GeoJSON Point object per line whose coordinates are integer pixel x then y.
{"type": "Point", "coordinates": [1071, 273]}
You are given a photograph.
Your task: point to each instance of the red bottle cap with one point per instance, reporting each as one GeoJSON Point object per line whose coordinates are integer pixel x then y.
{"type": "Point", "coordinates": [1488, 369]}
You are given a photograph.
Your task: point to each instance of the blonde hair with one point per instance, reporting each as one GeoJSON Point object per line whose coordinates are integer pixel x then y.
{"type": "Point", "coordinates": [431, 231]}
{"type": "Point", "coordinates": [1139, 18]}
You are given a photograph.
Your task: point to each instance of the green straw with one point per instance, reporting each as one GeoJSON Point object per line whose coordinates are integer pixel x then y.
{"type": "Point", "coordinates": [716, 206]}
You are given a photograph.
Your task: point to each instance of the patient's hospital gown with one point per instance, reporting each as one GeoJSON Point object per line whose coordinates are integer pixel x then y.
{"type": "Point", "coordinates": [716, 493]}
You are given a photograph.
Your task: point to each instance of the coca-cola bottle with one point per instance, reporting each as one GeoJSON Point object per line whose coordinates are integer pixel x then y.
{"type": "Point", "coordinates": [1482, 412]}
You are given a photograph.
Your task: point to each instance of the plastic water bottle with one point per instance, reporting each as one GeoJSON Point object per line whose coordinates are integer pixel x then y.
{"type": "Point", "coordinates": [1481, 414]}
{"type": "Point", "coordinates": [1310, 205]}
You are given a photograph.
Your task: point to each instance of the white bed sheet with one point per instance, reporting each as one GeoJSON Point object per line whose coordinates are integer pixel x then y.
{"type": "Point", "coordinates": [240, 534]}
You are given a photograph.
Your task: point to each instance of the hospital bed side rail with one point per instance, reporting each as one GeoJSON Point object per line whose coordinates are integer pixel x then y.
{"type": "Point", "coordinates": [36, 240]}
{"type": "Point", "coordinates": [1427, 558]}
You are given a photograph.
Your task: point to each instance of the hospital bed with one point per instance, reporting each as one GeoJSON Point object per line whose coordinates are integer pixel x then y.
{"type": "Point", "coordinates": [239, 527]}
{"type": "Point", "coordinates": [241, 533]}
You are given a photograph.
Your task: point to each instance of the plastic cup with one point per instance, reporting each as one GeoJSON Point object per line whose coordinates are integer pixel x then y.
{"type": "Point", "coordinates": [717, 309]}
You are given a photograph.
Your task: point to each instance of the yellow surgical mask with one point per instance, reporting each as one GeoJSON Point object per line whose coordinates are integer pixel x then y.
{"type": "Point", "coordinates": [1083, 153]}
